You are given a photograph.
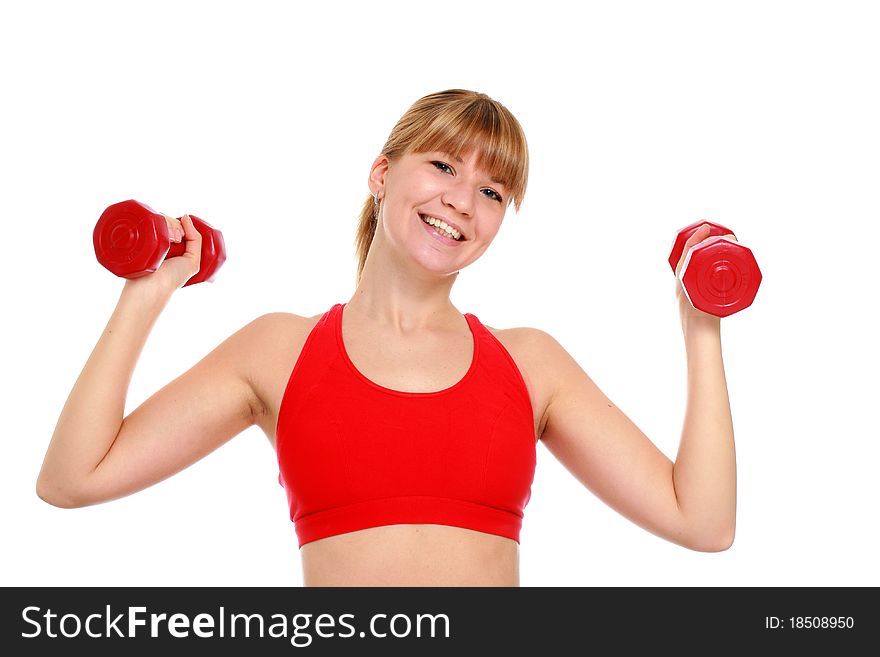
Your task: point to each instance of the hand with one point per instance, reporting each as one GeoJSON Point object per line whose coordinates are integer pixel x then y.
{"type": "Point", "coordinates": [174, 271]}
{"type": "Point", "coordinates": [686, 310]}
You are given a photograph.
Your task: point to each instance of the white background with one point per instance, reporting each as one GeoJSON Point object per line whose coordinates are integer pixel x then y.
{"type": "Point", "coordinates": [263, 118]}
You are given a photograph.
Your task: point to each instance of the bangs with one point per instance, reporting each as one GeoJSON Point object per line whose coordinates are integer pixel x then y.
{"type": "Point", "coordinates": [483, 127]}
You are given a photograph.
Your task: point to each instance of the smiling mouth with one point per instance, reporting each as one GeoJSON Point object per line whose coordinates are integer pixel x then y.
{"type": "Point", "coordinates": [436, 224]}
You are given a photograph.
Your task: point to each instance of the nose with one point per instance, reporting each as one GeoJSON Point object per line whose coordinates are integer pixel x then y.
{"type": "Point", "coordinates": [461, 197]}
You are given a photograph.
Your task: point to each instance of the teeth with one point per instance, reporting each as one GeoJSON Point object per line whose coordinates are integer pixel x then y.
{"type": "Point", "coordinates": [442, 226]}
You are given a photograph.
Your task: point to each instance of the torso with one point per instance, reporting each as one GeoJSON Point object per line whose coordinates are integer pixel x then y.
{"type": "Point", "coordinates": [400, 555]}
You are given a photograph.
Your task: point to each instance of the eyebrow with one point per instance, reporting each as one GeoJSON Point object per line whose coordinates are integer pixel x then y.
{"type": "Point", "coordinates": [460, 161]}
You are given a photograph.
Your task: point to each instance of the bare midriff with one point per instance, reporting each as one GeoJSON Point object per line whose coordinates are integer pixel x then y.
{"type": "Point", "coordinates": [411, 555]}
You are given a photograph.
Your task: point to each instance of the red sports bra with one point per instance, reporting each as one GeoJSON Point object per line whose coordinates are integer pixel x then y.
{"type": "Point", "coordinates": [354, 454]}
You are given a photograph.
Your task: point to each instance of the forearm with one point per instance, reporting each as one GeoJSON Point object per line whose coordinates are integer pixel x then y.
{"type": "Point", "coordinates": [93, 413]}
{"type": "Point", "coordinates": [704, 474]}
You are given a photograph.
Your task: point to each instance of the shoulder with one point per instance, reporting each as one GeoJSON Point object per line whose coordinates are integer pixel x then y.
{"type": "Point", "coordinates": [538, 350]}
{"type": "Point", "coordinates": [531, 342]}
{"type": "Point", "coordinates": [531, 348]}
{"type": "Point", "coordinates": [273, 326]}
{"type": "Point", "coordinates": [272, 336]}
{"type": "Point", "coordinates": [272, 322]}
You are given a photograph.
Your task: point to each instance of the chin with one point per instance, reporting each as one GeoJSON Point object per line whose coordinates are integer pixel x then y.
{"type": "Point", "coordinates": [434, 267]}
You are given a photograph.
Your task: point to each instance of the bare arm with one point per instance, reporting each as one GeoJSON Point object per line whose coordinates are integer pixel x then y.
{"type": "Point", "coordinates": [92, 415]}
{"type": "Point", "coordinates": [691, 502]}
{"type": "Point", "coordinates": [704, 475]}
{"type": "Point", "coordinates": [95, 454]}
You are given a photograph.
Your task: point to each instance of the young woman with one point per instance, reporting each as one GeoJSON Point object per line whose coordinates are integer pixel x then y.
{"type": "Point", "coordinates": [405, 430]}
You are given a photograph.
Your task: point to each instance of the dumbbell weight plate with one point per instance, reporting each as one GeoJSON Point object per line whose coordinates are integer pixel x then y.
{"type": "Point", "coordinates": [131, 239]}
{"type": "Point", "coordinates": [720, 277]}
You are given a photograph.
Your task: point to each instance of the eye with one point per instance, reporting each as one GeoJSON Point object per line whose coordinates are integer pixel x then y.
{"type": "Point", "coordinates": [492, 192]}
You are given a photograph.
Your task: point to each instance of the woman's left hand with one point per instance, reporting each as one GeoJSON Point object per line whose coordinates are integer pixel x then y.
{"type": "Point", "coordinates": [686, 310]}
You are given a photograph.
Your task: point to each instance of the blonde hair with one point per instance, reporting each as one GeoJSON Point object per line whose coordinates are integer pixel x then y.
{"type": "Point", "coordinates": [456, 121]}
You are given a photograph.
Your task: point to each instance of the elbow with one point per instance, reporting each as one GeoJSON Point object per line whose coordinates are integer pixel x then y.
{"type": "Point", "coordinates": [714, 543]}
{"type": "Point", "coordinates": [58, 496]}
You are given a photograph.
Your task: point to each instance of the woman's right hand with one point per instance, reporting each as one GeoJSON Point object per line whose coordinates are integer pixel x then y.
{"type": "Point", "coordinates": [174, 271]}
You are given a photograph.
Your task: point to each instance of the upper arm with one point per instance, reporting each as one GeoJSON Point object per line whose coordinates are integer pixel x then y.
{"type": "Point", "coordinates": [607, 452]}
{"type": "Point", "coordinates": [182, 422]}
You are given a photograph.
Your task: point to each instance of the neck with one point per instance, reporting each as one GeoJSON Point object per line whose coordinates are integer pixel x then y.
{"type": "Point", "coordinates": [402, 296]}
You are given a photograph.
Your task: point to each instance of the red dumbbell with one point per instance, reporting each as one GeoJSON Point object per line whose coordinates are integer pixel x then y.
{"type": "Point", "coordinates": [131, 240]}
{"type": "Point", "coordinates": [718, 276]}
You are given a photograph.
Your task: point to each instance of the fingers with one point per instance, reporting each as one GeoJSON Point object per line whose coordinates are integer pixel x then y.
{"type": "Point", "coordinates": [701, 233]}
{"type": "Point", "coordinates": [698, 236]}
{"type": "Point", "coordinates": [193, 237]}
{"type": "Point", "coordinates": [175, 228]}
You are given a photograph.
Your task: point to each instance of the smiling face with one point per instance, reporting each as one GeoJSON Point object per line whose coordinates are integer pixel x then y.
{"type": "Point", "coordinates": [419, 189]}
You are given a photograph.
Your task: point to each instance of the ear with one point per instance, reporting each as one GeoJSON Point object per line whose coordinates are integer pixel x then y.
{"type": "Point", "coordinates": [376, 179]}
